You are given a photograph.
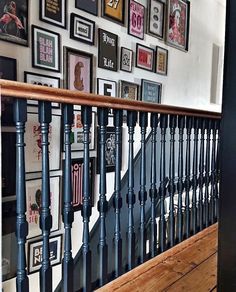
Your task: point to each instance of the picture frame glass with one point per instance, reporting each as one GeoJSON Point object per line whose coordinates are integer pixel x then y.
{"type": "Point", "coordinates": [156, 14]}
{"type": "Point", "coordinates": [126, 59]}
{"type": "Point", "coordinates": [151, 91]}
{"type": "Point", "coordinates": [114, 9]}
{"type": "Point", "coordinates": [136, 19]}
{"type": "Point", "coordinates": [54, 12]}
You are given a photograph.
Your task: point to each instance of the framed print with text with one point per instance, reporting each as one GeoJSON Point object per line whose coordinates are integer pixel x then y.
{"type": "Point", "coordinates": [156, 18]}
{"type": "Point", "coordinates": [129, 90]}
{"type": "Point", "coordinates": [144, 57]}
{"type": "Point", "coordinates": [53, 12]}
{"type": "Point", "coordinates": [126, 59]}
{"type": "Point", "coordinates": [90, 6]}
{"type": "Point", "coordinates": [136, 19]}
{"type": "Point", "coordinates": [161, 61]}
{"type": "Point", "coordinates": [114, 9]}
{"type": "Point", "coordinates": [151, 91]}
{"type": "Point", "coordinates": [106, 87]}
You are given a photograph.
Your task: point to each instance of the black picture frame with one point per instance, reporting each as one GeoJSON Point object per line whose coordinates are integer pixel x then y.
{"type": "Point", "coordinates": [112, 5]}
{"type": "Point", "coordinates": [110, 90]}
{"type": "Point", "coordinates": [138, 65]}
{"type": "Point", "coordinates": [163, 51]}
{"type": "Point", "coordinates": [90, 6]}
{"type": "Point", "coordinates": [129, 90]}
{"type": "Point", "coordinates": [156, 89]}
{"type": "Point", "coordinates": [140, 34]}
{"type": "Point", "coordinates": [126, 55]}
{"type": "Point", "coordinates": [155, 18]}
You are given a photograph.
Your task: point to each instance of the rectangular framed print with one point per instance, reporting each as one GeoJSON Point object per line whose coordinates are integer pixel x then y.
{"type": "Point", "coordinates": [46, 49]}
{"type": "Point", "coordinates": [136, 19]}
{"type": "Point", "coordinates": [178, 24]}
{"type": "Point", "coordinates": [151, 91]}
{"type": "Point", "coordinates": [144, 57]}
{"type": "Point", "coordinates": [126, 59]}
{"type": "Point", "coordinates": [114, 10]}
{"type": "Point", "coordinates": [129, 90]}
{"type": "Point", "coordinates": [90, 6]}
{"type": "Point", "coordinates": [106, 87]}
{"type": "Point", "coordinates": [156, 18]}
{"type": "Point", "coordinates": [53, 12]}
{"type": "Point", "coordinates": [161, 61]}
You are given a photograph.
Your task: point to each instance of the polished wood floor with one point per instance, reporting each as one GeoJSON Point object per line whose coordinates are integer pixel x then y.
{"type": "Point", "coordinates": [188, 267]}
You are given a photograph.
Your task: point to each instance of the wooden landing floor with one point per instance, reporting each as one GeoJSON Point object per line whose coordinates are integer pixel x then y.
{"type": "Point", "coordinates": [188, 267]}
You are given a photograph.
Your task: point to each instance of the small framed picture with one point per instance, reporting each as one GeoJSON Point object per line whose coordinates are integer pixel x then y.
{"type": "Point", "coordinates": [129, 90]}
{"type": "Point", "coordinates": [82, 29]}
{"type": "Point", "coordinates": [114, 9]}
{"type": "Point", "coordinates": [156, 18]}
{"type": "Point", "coordinates": [178, 24]}
{"type": "Point", "coordinates": [126, 59]}
{"type": "Point", "coordinates": [151, 91]}
{"type": "Point", "coordinates": [90, 6]}
{"type": "Point", "coordinates": [14, 21]}
{"type": "Point", "coordinates": [106, 87]}
{"type": "Point", "coordinates": [161, 61]}
{"type": "Point", "coordinates": [144, 57]}
{"type": "Point", "coordinates": [33, 204]}
{"type": "Point", "coordinates": [53, 12]}
{"type": "Point", "coordinates": [107, 50]}
{"type": "Point", "coordinates": [136, 19]}
{"type": "Point", "coordinates": [46, 49]}
{"type": "Point", "coordinates": [35, 253]}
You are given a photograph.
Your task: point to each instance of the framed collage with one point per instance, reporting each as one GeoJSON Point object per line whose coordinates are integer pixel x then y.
{"type": "Point", "coordinates": [53, 12]}
{"type": "Point", "coordinates": [129, 90]}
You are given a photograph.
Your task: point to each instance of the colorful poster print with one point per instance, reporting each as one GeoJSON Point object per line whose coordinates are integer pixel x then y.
{"type": "Point", "coordinates": [53, 12]}
{"type": "Point", "coordinates": [161, 61]}
{"type": "Point", "coordinates": [151, 91]}
{"type": "Point", "coordinates": [136, 19]}
{"type": "Point", "coordinates": [144, 57]}
{"type": "Point", "coordinates": [114, 9]}
{"type": "Point", "coordinates": [90, 6]}
{"type": "Point", "coordinates": [126, 59]}
{"type": "Point", "coordinates": [156, 13]}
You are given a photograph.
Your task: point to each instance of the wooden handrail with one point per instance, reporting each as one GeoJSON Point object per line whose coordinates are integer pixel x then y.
{"type": "Point", "coordinates": [37, 92]}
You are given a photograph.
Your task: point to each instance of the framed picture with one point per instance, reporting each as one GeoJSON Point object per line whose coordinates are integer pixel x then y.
{"type": "Point", "coordinates": [78, 70]}
{"type": "Point", "coordinates": [114, 9]}
{"type": "Point", "coordinates": [106, 87]}
{"type": "Point", "coordinates": [129, 90]}
{"type": "Point", "coordinates": [33, 140]}
{"type": "Point", "coordinates": [14, 21]}
{"type": "Point", "coordinates": [161, 61]}
{"type": "Point", "coordinates": [90, 6]}
{"type": "Point", "coordinates": [35, 253]}
{"type": "Point", "coordinates": [151, 91]}
{"type": "Point", "coordinates": [46, 49]}
{"type": "Point", "coordinates": [44, 80]}
{"type": "Point", "coordinates": [156, 18]}
{"type": "Point", "coordinates": [178, 24]}
{"type": "Point", "coordinates": [144, 57]}
{"type": "Point", "coordinates": [33, 204]}
{"type": "Point", "coordinates": [82, 29]}
{"type": "Point", "coordinates": [53, 12]}
{"type": "Point", "coordinates": [107, 50]}
{"type": "Point", "coordinates": [126, 59]}
{"type": "Point", "coordinates": [136, 19]}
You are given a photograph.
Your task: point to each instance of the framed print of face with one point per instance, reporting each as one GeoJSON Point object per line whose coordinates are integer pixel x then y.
{"type": "Point", "coordinates": [53, 12]}
{"type": "Point", "coordinates": [144, 57]}
{"type": "Point", "coordinates": [114, 9]}
{"type": "Point", "coordinates": [126, 59]}
{"type": "Point", "coordinates": [151, 91]}
{"type": "Point", "coordinates": [161, 61]}
{"type": "Point", "coordinates": [178, 24]}
{"type": "Point", "coordinates": [106, 87]}
{"type": "Point", "coordinates": [136, 19]}
{"type": "Point", "coordinates": [46, 49]}
{"type": "Point", "coordinates": [90, 6]}
{"type": "Point", "coordinates": [129, 90]}
{"type": "Point", "coordinates": [156, 21]}
{"type": "Point", "coordinates": [14, 21]}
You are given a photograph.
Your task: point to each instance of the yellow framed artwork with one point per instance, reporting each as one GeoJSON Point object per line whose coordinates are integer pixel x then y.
{"type": "Point", "coordinates": [114, 10]}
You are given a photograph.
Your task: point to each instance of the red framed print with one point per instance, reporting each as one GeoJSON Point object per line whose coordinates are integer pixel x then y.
{"type": "Point", "coordinates": [136, 19]}
{"type": "Point", "coordinates": [144, 57]}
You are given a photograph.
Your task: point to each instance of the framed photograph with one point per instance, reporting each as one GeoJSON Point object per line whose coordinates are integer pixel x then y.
{"type": "Point", "coordinates": [114, 10]}
{"type": "Point", "coordinates": [53, 12]}
{"type": "Point", "coordinates": [106, 87]}
{"type": "Point", "coordinates": [45, 49]}
{"type": "Point", "coordinates": [178, 24]}
{"type": "Point", "coordinates": [144, 57]}
{"type": "Point", "coordinates": [35, 253]}
{"type": "Point", "coordinates": [78, 70]}
{"type": "Point", "coordinates": [33, 140]}
{"type": "Point", "coordinates": [33, 204]}
{"type": "Point", "coordinates": [14, 21]}
{"type": "Point", "coordinates": [82, 29]}
{"type": "Point", "coordinates": [107, 50]}
{"type": "Point", "coordinates": [151, 91]}
{"type": "Point", "coordinates": [156, 18]}
{"type": "Point", "coordinates": [136, 19]}
{"type": "Point", "coordinates": [126, 59]}
{"type": "Point", "coordinates": [161, 61]}
{"type": "Point", "coordinates": [129, 90]}
{"type": "Point", "coordinates": [90, 6]}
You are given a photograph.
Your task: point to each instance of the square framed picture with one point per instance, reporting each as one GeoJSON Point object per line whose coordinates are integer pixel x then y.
{"type": "Point", "coordinates": [53, 12]}
{"type": "Point", "coordinates": [78, 70]}
{"type": "Point", "coordinates": [156, 18]}
{"type": "Point", "coordinates": [14, 21]}
{"type": "Point", "coordinates": [151, 91]}
{"type": "Point", "coordinates": [33, 204]}
{"type": "Point", "coordinates": [129, 90]}
{"type": "Point", "coordinates": [114, 10]}
{"type": "Point", "coordinates": [35, 253]}
{"type": "Point", "coordinates": [161, 61]}
{"type": "Point", "coordinates": [90, 6]}
{"type": "Point", "coordinates": [107, 50]}
{"type": "Point", "coordinates": [45, 49]}
{"type": "Point", "coordinates": [136, 19]}
{"type": "Point", "coordinates": [106, 87]}
{"type": "Point", "coordinates": [178, 24]}
{"type": "Point", "coordinates": [82, 29]}
{"type": "Point", "coordinates": [144, 57]}
{"type": "Point", "coordinates": [126, 59]}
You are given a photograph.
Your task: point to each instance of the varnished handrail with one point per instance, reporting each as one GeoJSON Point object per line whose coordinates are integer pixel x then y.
{"type": "Point", "coordinates": [37, 92]}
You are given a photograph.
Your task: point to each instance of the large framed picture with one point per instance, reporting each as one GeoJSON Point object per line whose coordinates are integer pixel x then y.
{"type": "Point", "coordinates": [106, 87]}
{"type": "Point", "coordinates": [35, 253]}
{"type": "Point", "coordinates": [129, 90]}
{"type": "Point", "coordinates": [53, 12]}
{"type": "Point", "coordinates": [136, 19]}
{"type": "Point", "coordinates": [33, 140]}
{"type": "Point", "coordinates": [156, 18]}
{"type": "Point", "coordinates": [161, 61]}
{"type": "Point", "coordinates": [114, 9]}
{"type": "Point", "coordinates": [178, 24]}
{"type": "Point", "coordinates": [82, 29]}
{"type": "Point", "coordinates": [45, 49]}
{"type": "Point", "coordinates": [107, 50]}
{"type": "Point", "coordinates": [151, 91]}
{"type": "Point", "coordinates": [14, 21]}
{"type": "Point", "coordinates": [33, 204]}
{"type": "Point", "coordinates": [126, 59]}
{"type": "Point", "coordinates": [144, 57]}
{"type": "Point", "coordinates": [90, 6]}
